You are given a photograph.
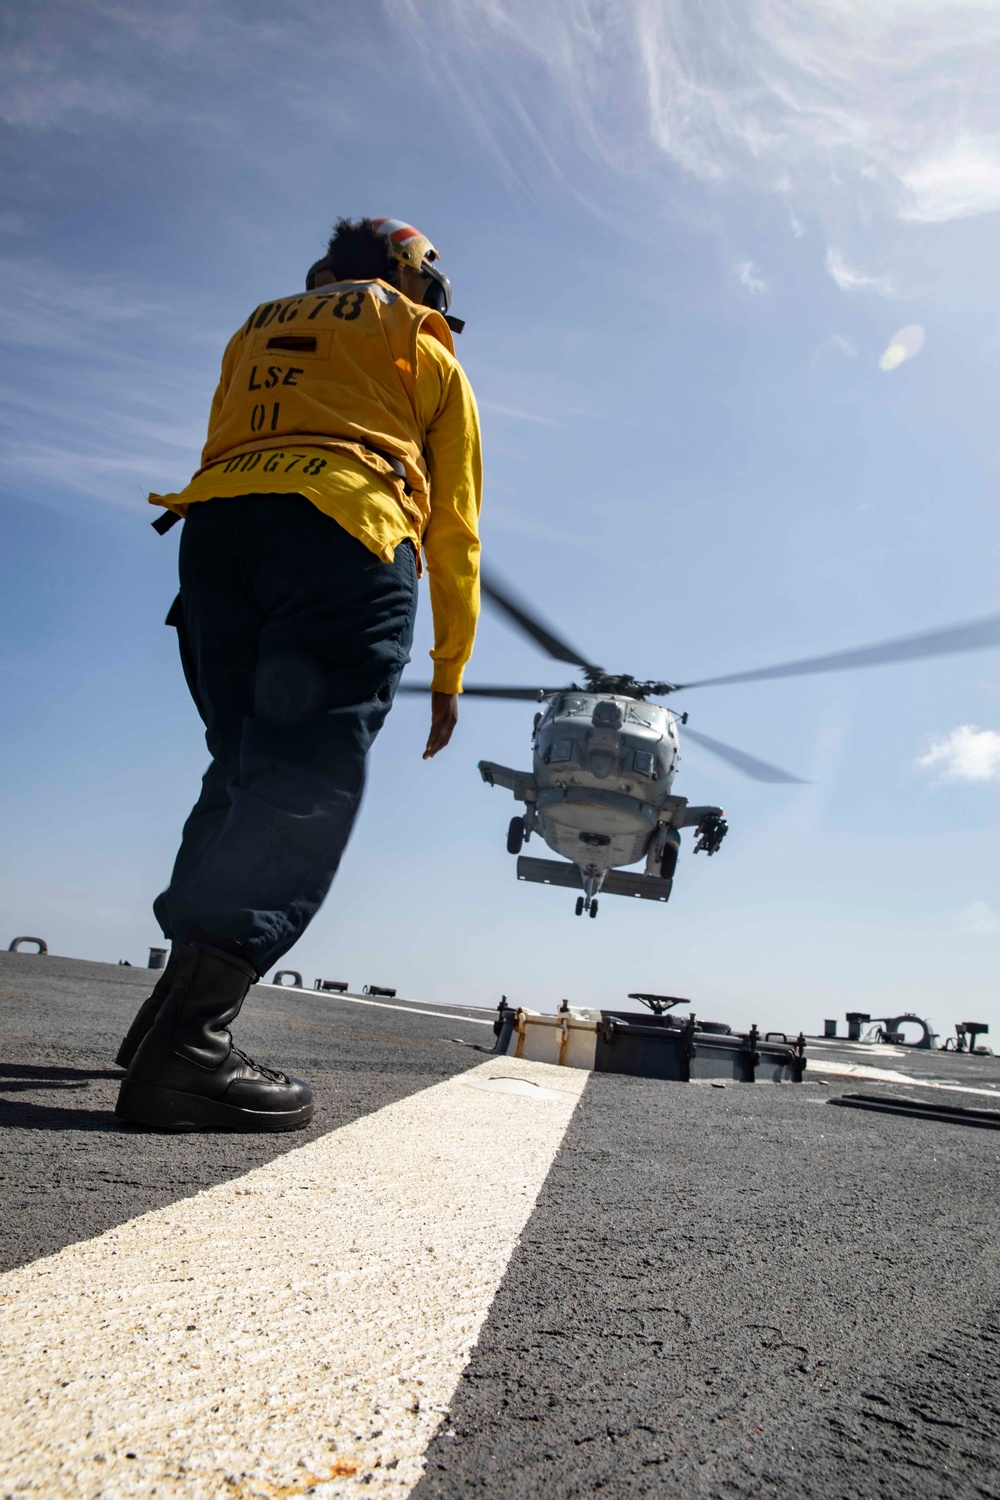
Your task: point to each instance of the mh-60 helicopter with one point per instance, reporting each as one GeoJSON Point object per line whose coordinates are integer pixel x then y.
{"type": "Point", "coordinates": [599, 791]}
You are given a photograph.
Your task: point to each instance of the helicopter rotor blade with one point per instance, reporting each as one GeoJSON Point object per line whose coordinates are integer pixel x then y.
{"type": "Point", "coordinates": [526, 694]}
{"type": "Point", "coordinates": [977, 636]}
{"type": "Point", "coordinates": [757, 770]}
{"type": "Point", "coordinates": [526, 620]}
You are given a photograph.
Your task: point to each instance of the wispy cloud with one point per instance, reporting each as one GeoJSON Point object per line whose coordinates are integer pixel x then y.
{"type": "Point", "coordinates": [33, 95]}
{"type": "Point", "coordinates": [47, 307]}
{"type": "Point", "coordinates": [966, 754]}
{"type": "Point", "coordinates": [807, 99]}
{"type": "Point", "coordinates": [804, 96]}
{"type": "Point", "coordinates": [517, 415]}
{"type": "Point", "coordinates": [507, 518]}
{"type": "Point", "coordinates": [191, 66]}
{"type": "Point", "coordinates": [129, 383]}
{"type": "Point", "coordinates": [961, 180]}
{"type": "Point", "coordinates": [837, 343]}
{"type": "Point", "coordinates": [750, 277]}
{"type": "Point", "coordinates": [977, 919]}
{"type": "Point", "coordinates": [119, 479]}
{"type": "Point", "coordinates": [850, 279]}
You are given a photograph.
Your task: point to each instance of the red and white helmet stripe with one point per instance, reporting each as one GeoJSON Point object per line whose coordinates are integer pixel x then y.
{"type": "Point", "coordinates": [408, 244]}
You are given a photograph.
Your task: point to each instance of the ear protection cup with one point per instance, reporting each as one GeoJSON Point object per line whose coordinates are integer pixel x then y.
{"type": "Point", "coordinates": [438, 293]}
{"type": "Point", "coordinates": [314, 270]}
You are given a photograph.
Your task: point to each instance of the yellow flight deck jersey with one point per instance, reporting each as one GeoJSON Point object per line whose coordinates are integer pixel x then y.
{"type": "Point", "coordinates": [317, 391]}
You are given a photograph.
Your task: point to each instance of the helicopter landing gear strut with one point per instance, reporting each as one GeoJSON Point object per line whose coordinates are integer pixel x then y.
{"type": "Point", "coordinates": [592, 882]}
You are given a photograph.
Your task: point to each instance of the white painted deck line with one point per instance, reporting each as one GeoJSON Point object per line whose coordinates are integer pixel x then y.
{"type": "Point", "coordinates": [411, 1010]}
{"type": "Point", "coordinates": [299, 1330]}
{"type": "Point", "coordinates": [889, 1075]}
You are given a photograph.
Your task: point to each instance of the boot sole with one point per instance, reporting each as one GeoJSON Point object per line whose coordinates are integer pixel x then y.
{"type": "Point", "coordinates": [170, 1109]}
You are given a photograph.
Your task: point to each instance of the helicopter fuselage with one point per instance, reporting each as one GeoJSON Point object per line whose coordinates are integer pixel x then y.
{"type": "Point", "coordinates": [604, 767]}
{"type": "Point", "coordinates": [600, 794]}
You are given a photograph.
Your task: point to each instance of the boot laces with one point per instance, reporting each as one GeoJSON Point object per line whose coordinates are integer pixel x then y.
{"type": "Point", "coordinates": [270, 1073]}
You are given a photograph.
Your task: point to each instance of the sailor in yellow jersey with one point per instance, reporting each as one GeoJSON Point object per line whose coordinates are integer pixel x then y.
{"type": "Point", "coordinates": [343, 455]}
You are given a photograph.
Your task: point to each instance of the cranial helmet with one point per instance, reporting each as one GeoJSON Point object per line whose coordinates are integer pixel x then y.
{"type": "Point", "coordinates": [411, 248]}
{"type": "Point", "coordinates": [406, 243]}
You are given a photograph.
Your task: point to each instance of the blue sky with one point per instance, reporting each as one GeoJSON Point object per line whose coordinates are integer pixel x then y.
{"type": "Point", "coordinates": [683, 237]}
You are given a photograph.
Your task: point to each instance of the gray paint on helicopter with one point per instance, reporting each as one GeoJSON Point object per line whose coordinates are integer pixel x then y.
{"type": "Point", "coordinates": [599, 793]}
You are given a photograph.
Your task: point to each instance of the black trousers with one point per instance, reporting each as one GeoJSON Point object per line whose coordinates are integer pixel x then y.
{"type": "Point", "coordinates": [293, 637]}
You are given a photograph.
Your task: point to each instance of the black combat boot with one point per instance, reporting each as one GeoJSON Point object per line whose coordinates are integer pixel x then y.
{"type": "Point", "coordinates": [186, 1073]}
{"type": "Point", "coordinates": [146, 1013]}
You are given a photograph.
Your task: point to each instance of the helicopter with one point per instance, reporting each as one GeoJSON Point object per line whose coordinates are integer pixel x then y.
{"type": "Point", "coordinates": [604, 759]}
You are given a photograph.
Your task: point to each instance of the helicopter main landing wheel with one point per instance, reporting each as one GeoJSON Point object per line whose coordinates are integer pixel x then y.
{"type": "Point", "coordinates": [593, 908]}
{"type": "Point", "coordinates": [515, 836]}
{"type": "Point", "coordinates": [579, 906]}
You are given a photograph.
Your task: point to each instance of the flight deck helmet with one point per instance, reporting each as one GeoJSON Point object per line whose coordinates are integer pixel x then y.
{"type": "Point", "coordinates": [410, 248]}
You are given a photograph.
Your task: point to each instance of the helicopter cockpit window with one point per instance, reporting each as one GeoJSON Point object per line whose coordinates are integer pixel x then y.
{"type": "Point", "coordinates": [561, 750]}
{"type": "Point", "coordinates": [572, 705]}
{"type": "Point", "coordinates": [642, 762]}
{"type": "Point", "coordinates": [641, 713]}
{"type": "Point", "coordinates": [607, 715]}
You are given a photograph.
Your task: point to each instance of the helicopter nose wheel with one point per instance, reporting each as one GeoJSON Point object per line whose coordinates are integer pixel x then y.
{"type": "Point", "coordinates": [593, 908]}
{"type": "Point", "coordinates": [579, 906]}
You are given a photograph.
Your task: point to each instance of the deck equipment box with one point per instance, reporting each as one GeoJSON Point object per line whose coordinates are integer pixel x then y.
{"type": "Point", "coordinates": [678, 1049]}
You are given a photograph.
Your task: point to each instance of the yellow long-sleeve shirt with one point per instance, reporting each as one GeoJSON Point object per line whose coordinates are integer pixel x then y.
{"type": "Point", "coordinates": [369, 507]}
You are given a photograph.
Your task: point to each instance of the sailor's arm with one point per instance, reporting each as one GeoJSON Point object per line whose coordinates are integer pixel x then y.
{"type": "Point", "coordinates": [453, 452]}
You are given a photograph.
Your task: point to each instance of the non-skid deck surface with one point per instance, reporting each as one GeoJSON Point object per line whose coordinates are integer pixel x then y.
{"type": "Point", "coordinates": [587, 1285]}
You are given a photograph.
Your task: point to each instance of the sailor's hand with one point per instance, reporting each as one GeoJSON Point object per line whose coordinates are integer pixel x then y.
{"type": "Point", "coordinates": [444, 717]}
